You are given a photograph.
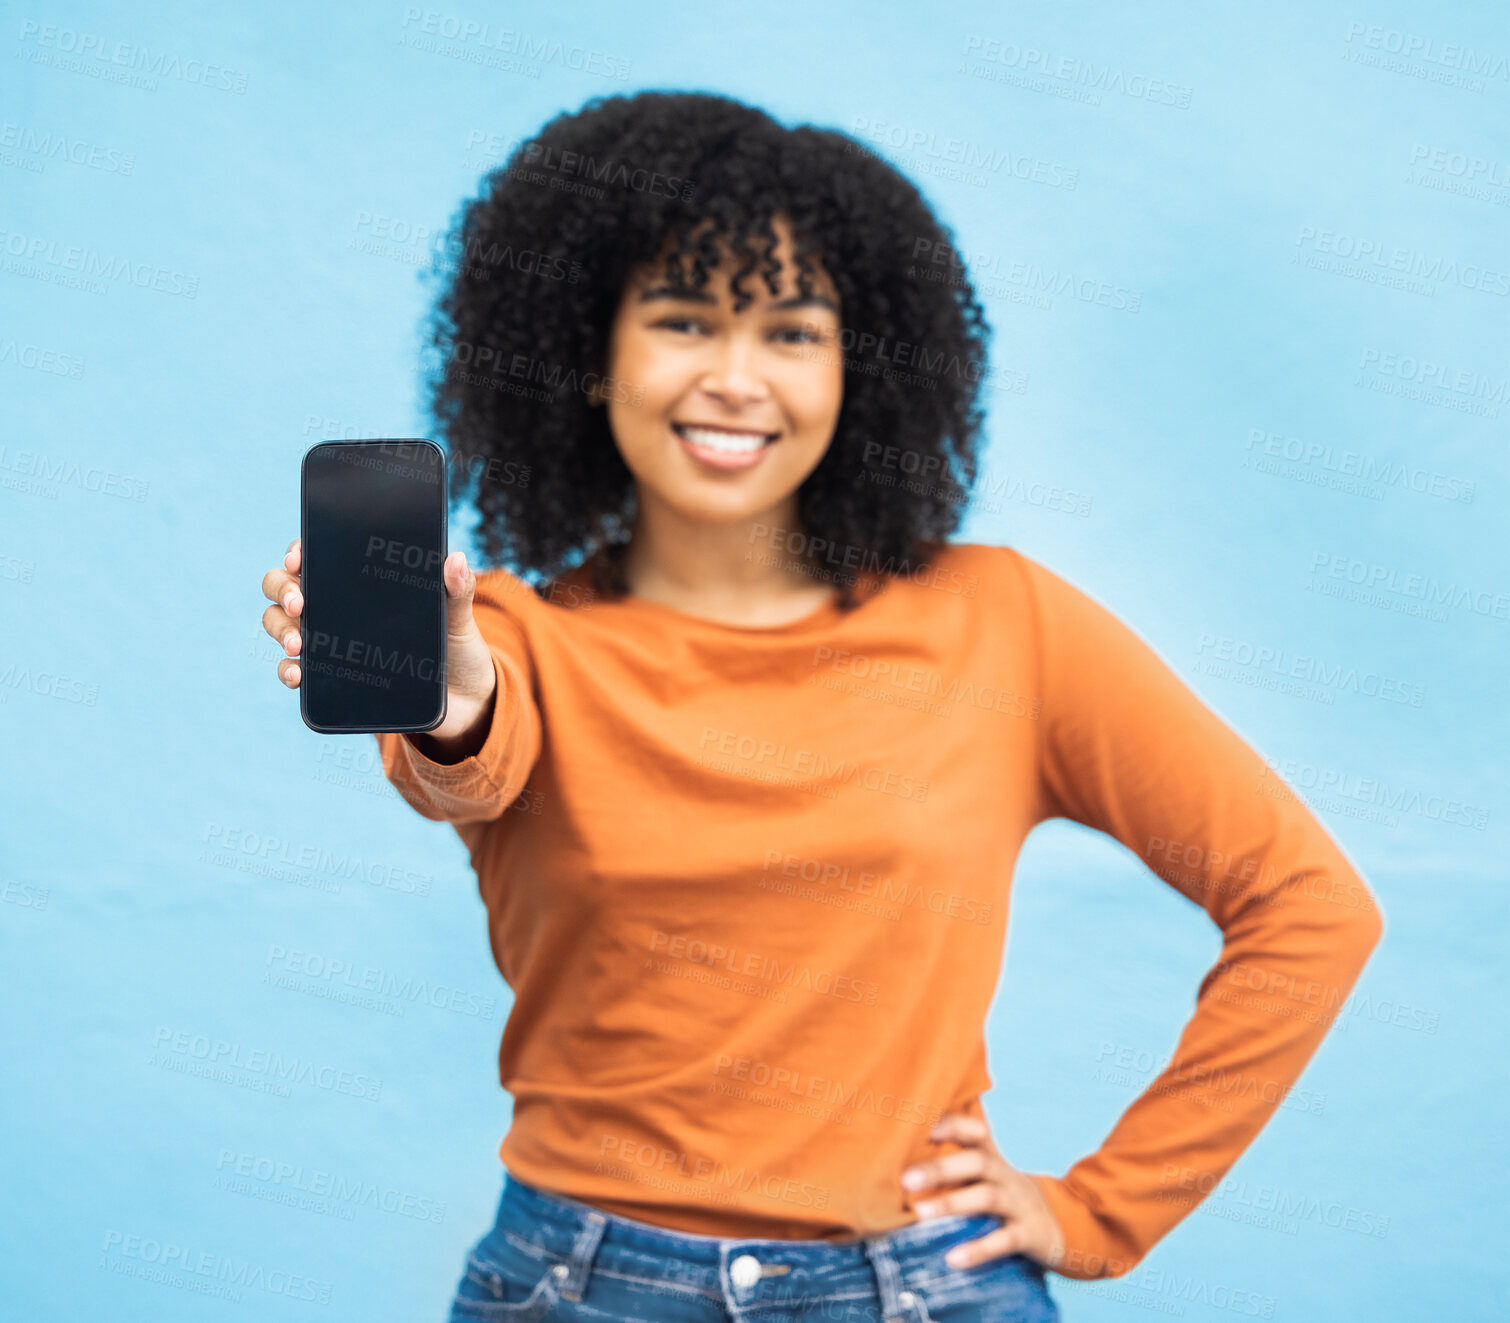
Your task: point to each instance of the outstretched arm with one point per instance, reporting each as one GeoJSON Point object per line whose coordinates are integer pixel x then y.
{"type": "Point", "coordinates": [475, 774]}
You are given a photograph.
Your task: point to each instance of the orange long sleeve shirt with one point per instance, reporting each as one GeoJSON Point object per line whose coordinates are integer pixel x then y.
{"type": "Point", "coordinates": [750, 887]}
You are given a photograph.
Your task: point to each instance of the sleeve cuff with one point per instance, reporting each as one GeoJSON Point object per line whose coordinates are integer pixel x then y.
{"type": "Point", "coordinates": [1089, 1250]}
{"type": "Point", "coordinates": [476, 767]}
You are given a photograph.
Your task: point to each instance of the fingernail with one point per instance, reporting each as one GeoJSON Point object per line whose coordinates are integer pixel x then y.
{"type": "Point", "coordinates": [912, 1179]}
{"type": "Point", "coordinates": [956, 1258]}
{"type": "Point", "coordinates": [925, 1209]}
{"type": "Point", "coordinates": [289, 640]}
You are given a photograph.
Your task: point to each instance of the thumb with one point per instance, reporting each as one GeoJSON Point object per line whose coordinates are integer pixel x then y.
{"type": "Point", "coordinates": [461, 584]}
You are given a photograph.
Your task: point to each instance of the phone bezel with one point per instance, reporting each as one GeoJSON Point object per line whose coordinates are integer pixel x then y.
{"type": "Point", "coordinates": [442, 488]}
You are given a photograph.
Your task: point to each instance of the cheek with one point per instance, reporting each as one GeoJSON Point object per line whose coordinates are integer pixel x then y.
{"type": "Point", "coordinates": [654, 377]}
{"type": "Point", "coordinates": [814, 400]}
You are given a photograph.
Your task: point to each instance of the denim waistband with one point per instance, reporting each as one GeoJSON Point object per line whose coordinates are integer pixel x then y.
{"type": "Point", "coordinates": [585, 1238]}
{"type": "Point", "coordinates": [536, 1203]}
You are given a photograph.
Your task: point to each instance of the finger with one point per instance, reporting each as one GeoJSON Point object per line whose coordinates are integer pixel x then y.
{"type": "Point", "coordinates": [277, 623]}
{"type": "Point", "coordinates": [993, 1245]}
{"type": "Point", "coordinates": [281, 586]}
{"type": "Point", "coordinates": [461, 584]}
{"type": "Point", "coordinates": [290, 672]}
{"type": "Point", "coordinates": [294, 555]}
{"type": "Point", "coordinates": [980, 1197]}
{"type": "Point", "coordinates": [961, 1129]}
{"type": "Point", "coordinates": [969, 1165]}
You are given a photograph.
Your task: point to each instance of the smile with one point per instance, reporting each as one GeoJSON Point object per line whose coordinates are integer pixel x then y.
{"type": "Point", "coordinates": [723, 447]}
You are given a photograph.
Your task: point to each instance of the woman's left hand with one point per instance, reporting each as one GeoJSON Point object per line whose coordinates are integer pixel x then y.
{"type": "Point", "coordinates": [991, 1185]}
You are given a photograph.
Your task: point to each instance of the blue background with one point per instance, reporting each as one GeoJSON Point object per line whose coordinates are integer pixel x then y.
{"type": "Point", "coordinates": [293, 198]}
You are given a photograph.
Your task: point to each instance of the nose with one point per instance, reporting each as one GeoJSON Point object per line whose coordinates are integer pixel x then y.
{"type": "Point", "coordinates": [733, 374]}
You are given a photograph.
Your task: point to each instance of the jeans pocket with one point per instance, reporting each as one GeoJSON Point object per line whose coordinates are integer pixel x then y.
{"type": "Point", "coordinates": [490, 1290]}
{"type": "Point", "coordinates": [1008, 1289]}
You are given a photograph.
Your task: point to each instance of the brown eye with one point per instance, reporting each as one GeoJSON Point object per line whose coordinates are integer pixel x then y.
{"type": "Point", "coordinates": [681, 324]}
{"type": "Point", "coordinates": [799, 335]}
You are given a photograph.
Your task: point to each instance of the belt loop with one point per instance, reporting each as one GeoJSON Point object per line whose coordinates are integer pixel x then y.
{"type": "Point", "coordinates": [888, 1279]}
{"type": "Point", "coordinates": [584, 1249]}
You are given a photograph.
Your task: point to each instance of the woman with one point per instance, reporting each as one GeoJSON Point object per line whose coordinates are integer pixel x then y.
{"type": "Point", "coordinates": [745, 765]}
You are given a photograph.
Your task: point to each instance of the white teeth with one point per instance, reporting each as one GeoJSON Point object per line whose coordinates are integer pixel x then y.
{"type": "Point", "coordinates": [727, 442]}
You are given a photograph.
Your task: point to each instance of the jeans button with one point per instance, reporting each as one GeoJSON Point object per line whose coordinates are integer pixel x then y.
{"type": "Point", "coordinates": [906, 1299]}
{"type": "Point", "coordinates": [745, 1270]}
{"type": "Point", "coordinates": [560, 1270]}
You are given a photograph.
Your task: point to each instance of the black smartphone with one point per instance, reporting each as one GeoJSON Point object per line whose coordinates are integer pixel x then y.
{"type": "Point", "coordinates": [372, 519]}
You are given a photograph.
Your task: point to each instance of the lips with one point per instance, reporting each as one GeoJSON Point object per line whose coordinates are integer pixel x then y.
{"type": "Point", "coordinates": [726, 449]}
{"type": "Point", "coordinates": [725, 440]}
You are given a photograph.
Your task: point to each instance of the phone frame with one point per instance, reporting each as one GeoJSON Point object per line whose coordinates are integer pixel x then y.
{"type": "Point", "coordinates": [442, 488]}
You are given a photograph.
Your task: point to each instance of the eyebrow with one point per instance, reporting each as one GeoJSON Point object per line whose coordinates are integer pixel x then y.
{"type": "Point", "coordinates": [691, 294]}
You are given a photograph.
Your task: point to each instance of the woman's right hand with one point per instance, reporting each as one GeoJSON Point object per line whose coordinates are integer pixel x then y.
{"type": "Point", "coordinates": [471, 682]}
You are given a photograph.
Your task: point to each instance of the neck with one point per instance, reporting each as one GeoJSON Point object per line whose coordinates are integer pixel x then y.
{"type": "Point", "coordinates": [693, 565]}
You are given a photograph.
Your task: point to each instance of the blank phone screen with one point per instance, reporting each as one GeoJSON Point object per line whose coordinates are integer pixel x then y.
{"type": "Point", "coordinates": [373, 519]}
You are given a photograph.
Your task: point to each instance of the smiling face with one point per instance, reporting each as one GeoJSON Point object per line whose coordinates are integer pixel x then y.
{"type": "Point", "coordinates": [726, 412]}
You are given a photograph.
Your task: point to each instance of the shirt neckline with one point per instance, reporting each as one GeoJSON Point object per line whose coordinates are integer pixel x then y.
{"type": "Point", "coordinates": [820, 614]}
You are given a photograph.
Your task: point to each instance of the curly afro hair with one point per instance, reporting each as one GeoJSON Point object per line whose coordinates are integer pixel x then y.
{"type": "Point", "coordinates": [533, 271]}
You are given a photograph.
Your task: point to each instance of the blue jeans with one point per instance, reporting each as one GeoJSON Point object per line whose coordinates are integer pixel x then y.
{"type": "Point", "coordinates": [549, 1257]}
